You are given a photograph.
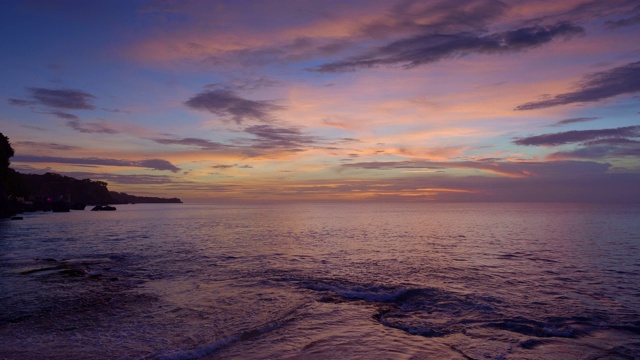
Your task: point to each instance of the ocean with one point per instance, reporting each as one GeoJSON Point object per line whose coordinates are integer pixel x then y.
{"type": "Point", "coordinates": [323, 281]}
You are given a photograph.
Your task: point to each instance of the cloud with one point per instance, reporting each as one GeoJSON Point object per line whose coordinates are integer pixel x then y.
{"type": "Point", "coordinates": [46, 146]}
{"type": "Point", "coordinates": [595, 144]}
{"type": "Point", "coordinates": [616, 147]}
{"type": "Point", "coordinates": [134, 179]}
{"type": "Point", "coordinates": [91, 128]}
{"type": "Point", "coordinates": [504, 168]}
{"type": "Point", "coordinates": [612, 141]}
{"type": "Point", "coordinates": [226, 166]}
{"type": "Point", "coordinates": [154, 164]}
{"type": "Point", "coordinates": [575, 136]}
{"type": "Point", "coordinates": [271, 137]}
{"type": "Point", "coordinates": [67, 99]}
{"type": "Point", "coordinates": [629, 21]}
{"type": "Point", "coordinates": [33, 127]}
{"type": "Point", "coordinates": [432, 47]}
{"type": "Point", "coordinates": [265, 137]}
{"type": "Point", "coordinates": [621, 187]}
{"type": "Point", "coordinates": [121, 179]}
{"type": "Point", "coordinates": [595, 87]}
{"type": "Point", "coordinates": [64, 115]}
{"type": "Point", "coordinates": [444, 17]}
{"type": "Point", "coordinates": [598, 152]}
{"type": "Point", "coordinates": [200, 143]}
{"type": "Point", "coordinates": [574, 120]}
{"type": "Point", "coordinates": [246, 84]}
{"type": "Point", "coordinates": [21, 102]}
{"type": "Point", "coordinates": [227, 104]}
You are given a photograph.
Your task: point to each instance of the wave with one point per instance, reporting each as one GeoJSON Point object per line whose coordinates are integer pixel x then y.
{"type": "Point", "coordinates": [243, 335]}
{"type": "Point", "coordinates": [435, 312]}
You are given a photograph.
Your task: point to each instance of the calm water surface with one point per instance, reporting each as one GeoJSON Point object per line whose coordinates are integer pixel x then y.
{"type": "Point", "coordinates": [391, 281]}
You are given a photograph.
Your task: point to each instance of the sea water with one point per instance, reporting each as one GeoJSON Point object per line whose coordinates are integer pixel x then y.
{"type": "Point", "coordinates": [323, 281]}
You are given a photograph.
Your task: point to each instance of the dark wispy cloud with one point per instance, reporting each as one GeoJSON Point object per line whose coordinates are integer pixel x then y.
{"type": "Point", "coordinates": [595, 87]}
{"type": "Point", "coordinates": [620, 149]}
{"type": "Point", "coordinates": [613, 141]}
{"type": "Point", "coordinates": [195, 142]}
{"type": "Point", "coordinates": [230, 166]}
{"type": "Point", "coordinates": [223, 167]}
{"type": "Point", "coordinates": [228, 105]}
{"type": "Point", "coordinates": [246, 84]}
{"type": "Point", "coordinates": [265, 138]}
{"type": "Point", "coordinates": [445, 17]}
{"type": "Point", "coordinates": [64, 115]}
{"type": "Point", "coordinates": [154, 164]}
{"type": "Point", "coordinates": [272, 137]}
{"type": "Point", "coordinates": [610, 147]}
{"type": "Point", "coordinates": [505, 168]}
{"type": "Point", "coordinates": [134, 179]}
{"type": "Point", "coordinates": [574, 121]}
{"type": "Point", "coordinates": [45, 146]}
{"type": "Point", "coordinates": [621, 187]}
{"type": "Point", "coordinates": [432, 47]}
{"type": "Point", "coordinates": [22, 102]}
{"type": "Point", "coordinates": [67, 99]}
{"type": "Point", "coordinates": [33, 127]}
{"type": "Point", "coordinates": [91, 128]}
{"type": "Point", "coordinates": [632, 19]}
{"type": "Point", "coordinates": [294, 50]}
{"type": "Point", "coordinates": [576, 136]}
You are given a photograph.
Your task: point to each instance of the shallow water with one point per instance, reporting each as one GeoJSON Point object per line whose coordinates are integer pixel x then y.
{"type": "Point", "coordinates": [391, 281]}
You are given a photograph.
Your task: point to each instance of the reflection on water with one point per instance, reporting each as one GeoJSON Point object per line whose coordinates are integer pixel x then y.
{"type": "Point", "coordinates": [337, 281]}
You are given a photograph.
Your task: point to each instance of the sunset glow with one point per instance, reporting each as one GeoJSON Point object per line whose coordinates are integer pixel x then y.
{"type": "Point", "coordinates": [266, 101]}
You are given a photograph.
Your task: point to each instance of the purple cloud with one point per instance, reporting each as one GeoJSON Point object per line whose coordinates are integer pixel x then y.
{"type": "Point", "coordinates": [271, 137]}
{"type": "Point", "coordinates": [595, 87]}
{"type": "Point", "coordinates": [21, 102]}
{"type": "Point", "coordinates": [121, 179]}
{"type": "Point", "coordinates": [432, 47]}
{"type": "Point", "coordinates": [201, 143]}
{"type": "Point", "coordinates": [227, 104]}
{"type": "Point", "coordinates": [225, 166]}
{"type": "Point", "coordinates": [509, 169]}
{"type": "Point", "coordinates": [596, 152]}
{"type": "Point", "coordinates": [629, 21]}
{"type": "Point", "coordinates": [575, 136]}
{"type": "Point", "coordinates": [154, 164]}
{"type": "Point", "coordinates": [574, 121]}
{"type": "Point", "coordinates": [62, 98]}
{"type": "Point", "coordinates": [46, 146]}
{"type": "Point", "coordinates": [246, 84]}
{"type": "Point", "coordinates": [91, 128]}
{"type": "Point", "coordinates": [64, 115]}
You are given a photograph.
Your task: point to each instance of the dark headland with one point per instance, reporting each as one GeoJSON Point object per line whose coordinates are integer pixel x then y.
{"type": "Point", "coordinates": [32, 192]}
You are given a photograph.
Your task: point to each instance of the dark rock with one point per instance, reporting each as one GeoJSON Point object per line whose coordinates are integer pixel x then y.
{"type": "Point", "coordinates": [103, 208]}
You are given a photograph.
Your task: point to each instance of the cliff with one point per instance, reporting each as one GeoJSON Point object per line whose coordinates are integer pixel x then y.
{"type": "Point", "coordinates": [124, 198]}
{"type": "Point", "coordinates": [20, 192]}
{"type": "Point", "coordinates": [86, 191]}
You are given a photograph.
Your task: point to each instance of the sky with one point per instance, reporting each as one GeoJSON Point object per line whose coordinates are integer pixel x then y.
{"type": "Point", "coordinates": [326, 100]}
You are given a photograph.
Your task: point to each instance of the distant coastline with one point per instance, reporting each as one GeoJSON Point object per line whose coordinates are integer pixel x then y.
{"type": "Point", "coordinates": [50, 191]}
{"type": "Point", "coordinates": [54, 192]}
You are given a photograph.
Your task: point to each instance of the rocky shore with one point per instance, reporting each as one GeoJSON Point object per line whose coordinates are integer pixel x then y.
{"type": "Point", "coordinates": [54, 192]}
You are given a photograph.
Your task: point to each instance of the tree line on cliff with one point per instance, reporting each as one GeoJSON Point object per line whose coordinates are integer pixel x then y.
{"type": "Point", "coordinates": [17, 190]}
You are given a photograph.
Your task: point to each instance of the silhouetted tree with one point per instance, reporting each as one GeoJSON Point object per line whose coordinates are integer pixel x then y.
{"type": "Point", "coordinates": [6, 153]}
